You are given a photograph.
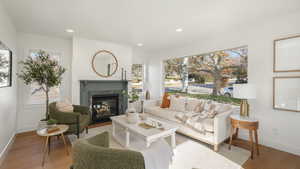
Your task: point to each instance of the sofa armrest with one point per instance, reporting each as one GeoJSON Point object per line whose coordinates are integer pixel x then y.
{"type": "Point", "coordinates": [151, 103]}
{"type": "Point", "coordinates": [65, 117]}
{"type": "Point", "coordinates": [81, 109]}
{"type": "Point", "coordinates": [100, 140]}
{"type": "Point", "coordinates": [87, 156]}
{"type": "Point", "coordinates": [222, 127]}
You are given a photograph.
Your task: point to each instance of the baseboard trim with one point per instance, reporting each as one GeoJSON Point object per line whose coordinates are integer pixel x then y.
{"type": "Point", "coordinates": [7, 148]}
{"type": "Point", "coordinates": [273, 144]}
{"type": "Point", "coordinates": [27, 129]}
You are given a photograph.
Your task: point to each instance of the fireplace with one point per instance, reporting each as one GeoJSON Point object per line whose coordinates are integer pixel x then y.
{"type": "Point", "coordinates": [104, 97]}
{"type": "Point", "coordinates": [104, 106]}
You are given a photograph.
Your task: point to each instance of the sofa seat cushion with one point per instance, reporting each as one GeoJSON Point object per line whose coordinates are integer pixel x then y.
{"type": "Point", "coordinates": [192, 121]}
{"type": "Point", "coordinates": [207, 125]}
{"type": "Point", "coordinates": [162, 112]}
{"type": "Point", "coordinates": [206, 137]}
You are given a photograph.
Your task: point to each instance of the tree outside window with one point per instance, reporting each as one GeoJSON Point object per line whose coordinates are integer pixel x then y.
{"type": "Point", "coordinates": [210, 74]}
{"type": "Point", "coordinates": [137, 83]}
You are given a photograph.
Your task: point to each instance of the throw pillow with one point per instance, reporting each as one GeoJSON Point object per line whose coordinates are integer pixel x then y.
{"type": "Point", "coordinates": [64, 106]}
{"type": "Point", "coordinates": [177, 104]}
{"type": "Point", "coordinates": [222, 108]}
{"type": "Point", "coordinates": [210, 110]}
{"type": "Point", "coordinates": [192, 104]}
{"type": "Point", "coordinates": [199, 107]}
{"type": "Point", "coordinates": [165, 101]}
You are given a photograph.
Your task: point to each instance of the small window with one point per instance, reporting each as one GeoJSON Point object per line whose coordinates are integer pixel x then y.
{"type": "Point", "coordinates": [137, 77]}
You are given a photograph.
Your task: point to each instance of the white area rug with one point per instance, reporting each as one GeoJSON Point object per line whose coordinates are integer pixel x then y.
{"type": "Point", "coordinates": [191, 154]}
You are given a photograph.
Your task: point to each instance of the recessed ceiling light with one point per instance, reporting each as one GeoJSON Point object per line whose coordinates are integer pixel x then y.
{"type": "Point", "coordinates": [70, 30]}
{"type": "Point", "coordinates": [179, 30]}
{"type": "Point", "coordinates": [140, 44]}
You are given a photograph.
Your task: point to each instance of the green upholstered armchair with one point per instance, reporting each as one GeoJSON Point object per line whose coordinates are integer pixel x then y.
{"type": "Point", "coordinates": [77, 120]}
{"type": "Point", "coordinates": [94, 153]}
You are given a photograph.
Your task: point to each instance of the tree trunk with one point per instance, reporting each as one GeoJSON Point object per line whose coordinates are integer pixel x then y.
{"type": "Point", "coordinates": [184, 75]}
{"type": "Point", "coordinates": [217, 84]}
{"type": "Point", "coordinates": [47, 103]}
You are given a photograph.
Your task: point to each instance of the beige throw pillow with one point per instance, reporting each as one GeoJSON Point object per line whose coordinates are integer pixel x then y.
{"type": "Point", "coordinates": [209, 111]}
{"type": "Point", "coordinates": [199, 107]}
{"type": "Point", "coordinates": [177, 104]}
{"type": "Point", "coordinates": [64, 106]}
{"type": "Point", "coordinates": [191, 104]}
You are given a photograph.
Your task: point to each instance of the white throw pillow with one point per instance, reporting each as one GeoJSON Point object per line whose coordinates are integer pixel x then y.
{"type": "Point", "coordinates": [64, 106]}
{"type": "Point", "coordinates": [191, 104]}
{"type": "Point", "coordinates": [178, 104]}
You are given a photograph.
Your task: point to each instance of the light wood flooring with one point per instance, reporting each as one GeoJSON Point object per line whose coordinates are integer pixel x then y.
{"type": "Point", "coordinates": [26, 153]}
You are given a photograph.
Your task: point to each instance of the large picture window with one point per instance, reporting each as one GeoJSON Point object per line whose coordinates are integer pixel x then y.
{"type": "Point", "coordinates": [207, 75]}
{"type": "Point", "coordinates": [176, 75]}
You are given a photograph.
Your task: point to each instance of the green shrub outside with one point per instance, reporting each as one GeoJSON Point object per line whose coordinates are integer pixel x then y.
{"type": "Point", "coordinates": [220, 99]}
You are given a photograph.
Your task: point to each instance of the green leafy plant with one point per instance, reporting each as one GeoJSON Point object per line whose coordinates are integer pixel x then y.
{"type": "Point", "coordinates": [132, 96]}
{"type": "Point", "coordinates": [44, 71]}
{"type": "Point", "coordinates": [220, 99]}
{"type": "Point", "coordinates": [51, 121]}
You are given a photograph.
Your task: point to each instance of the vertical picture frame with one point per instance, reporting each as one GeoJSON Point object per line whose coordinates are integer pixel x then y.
{"type": "Point", "coordinates": [5, 66]}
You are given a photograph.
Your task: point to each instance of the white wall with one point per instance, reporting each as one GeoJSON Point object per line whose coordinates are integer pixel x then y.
{"type": "Point", "coordinates": [28, 114]}
{"type": "Point", "coordinates": [8, 95]}
{"type": "Point", "coordinates": [278, 129]}
{"type": "Point", "coordinates": [139, 56]}
{"type": "Point", "coordinates": [83, 51]}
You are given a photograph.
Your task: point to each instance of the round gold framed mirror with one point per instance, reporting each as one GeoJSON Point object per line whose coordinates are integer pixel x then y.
{"type": "Point", "coordinates": [104, 63]}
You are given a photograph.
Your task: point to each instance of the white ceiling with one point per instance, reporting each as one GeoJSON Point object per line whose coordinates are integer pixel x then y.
{"type": "Point", "coordinates": [151, 22]}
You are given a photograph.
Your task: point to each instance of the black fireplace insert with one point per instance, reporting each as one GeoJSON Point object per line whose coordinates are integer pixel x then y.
{"type": "Point", "coordinates": [104, 106]}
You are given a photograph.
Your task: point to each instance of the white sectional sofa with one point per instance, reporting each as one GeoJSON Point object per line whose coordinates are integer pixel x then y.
{"type": "Point", "coordinates": [217, 128]}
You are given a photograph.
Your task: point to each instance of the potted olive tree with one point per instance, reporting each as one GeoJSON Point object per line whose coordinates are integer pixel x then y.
{"type": "Point", "coordinates": [44, 71]}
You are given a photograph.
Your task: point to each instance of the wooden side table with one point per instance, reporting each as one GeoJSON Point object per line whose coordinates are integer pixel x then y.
{"type": "Point", "coordinates": [247, 123]}
{"type": "Point", "coordinates": [43, 132]}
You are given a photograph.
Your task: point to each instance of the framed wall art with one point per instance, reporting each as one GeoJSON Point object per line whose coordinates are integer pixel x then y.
{"type": "Point", "coordinates": [5, 66]}
{"type": "Point", "coordinates": [287, 54]}
{"type": "Point", "coordinates": [286, 93]}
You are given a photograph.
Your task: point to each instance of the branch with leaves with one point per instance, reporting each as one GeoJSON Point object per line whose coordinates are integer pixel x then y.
{"type": "Point", "coordinates": [44, 71]}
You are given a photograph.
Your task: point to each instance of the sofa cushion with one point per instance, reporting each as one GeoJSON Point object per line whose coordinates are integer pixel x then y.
{"type": "Point", "coordinates": [191, 104]}
{"type": "Point", "coordinates": [161, 112]}
{"type": "Point", "coordinates": [192, 120]}
{"type": "Point", "coordinates": [178, 104]}
{"type": "Point", "coordinates": [209, 110]}
{"type": "Point", "coordinates": [206, 125]}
